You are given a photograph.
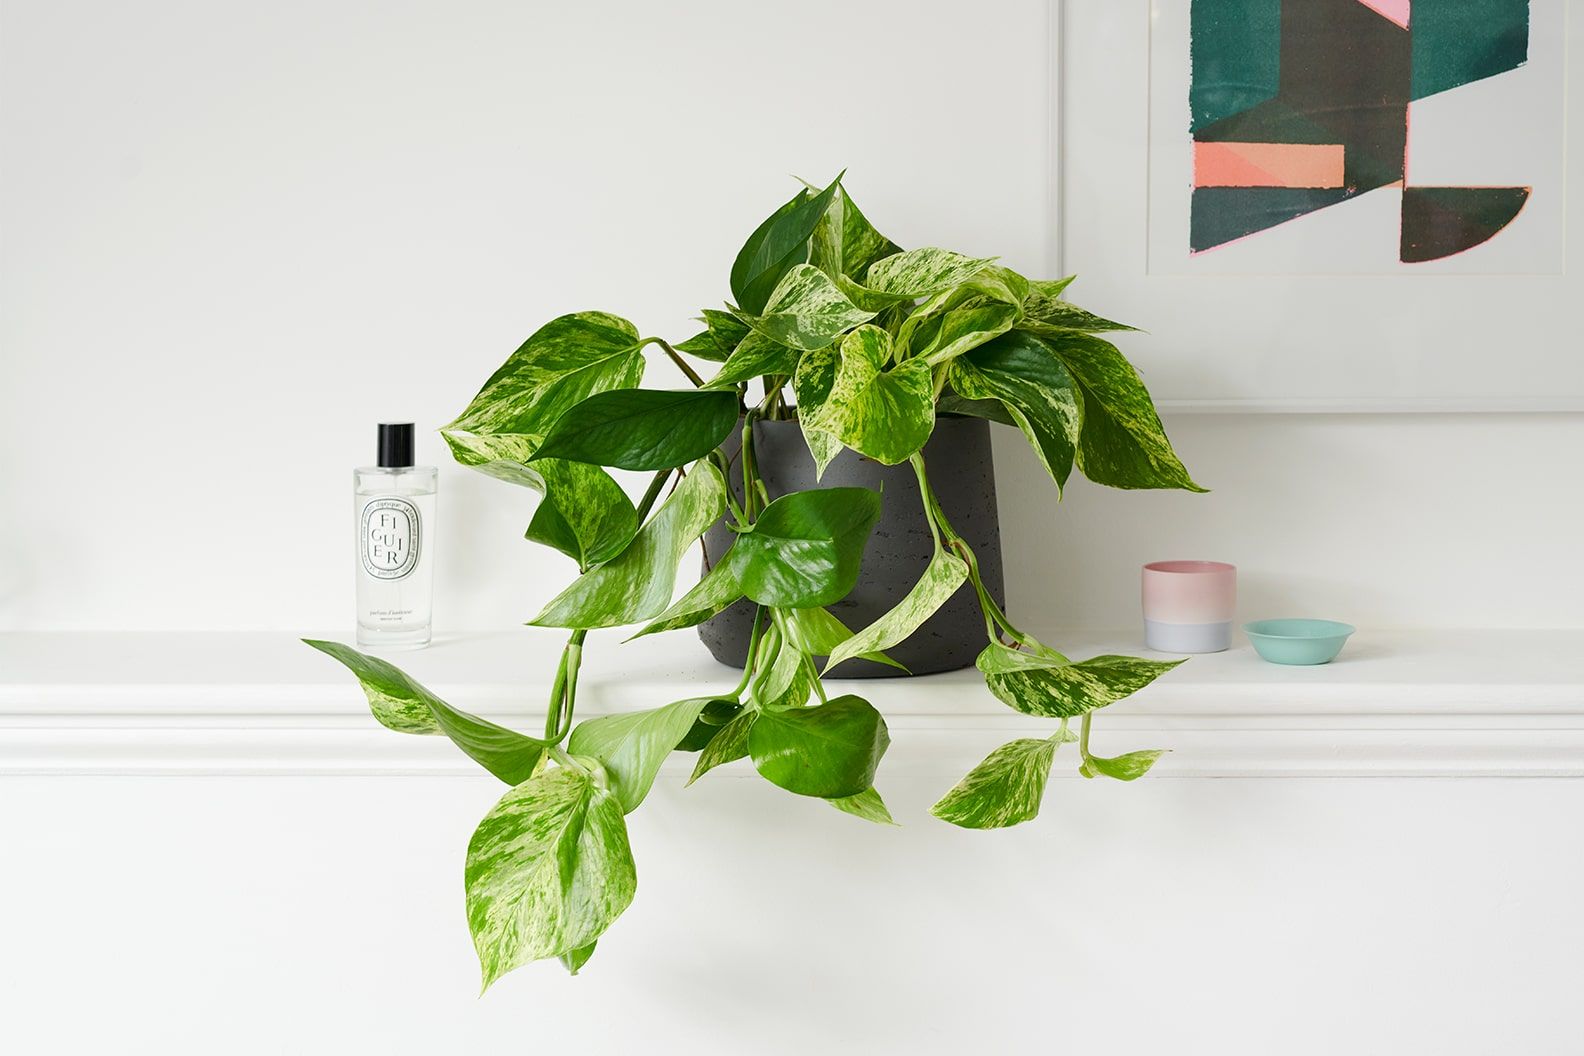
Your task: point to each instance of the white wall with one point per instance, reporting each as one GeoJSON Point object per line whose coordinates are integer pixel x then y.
{"type": "Point", "coordinates": [237, 235]}
{"type": "Point", "coordinates": [324, 915]}
{"type": "Point", "coordinates": [1379, 520]}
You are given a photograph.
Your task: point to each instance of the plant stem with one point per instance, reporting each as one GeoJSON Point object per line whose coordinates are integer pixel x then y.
{"type": "Point", "coordinates": [1083, 735]}
{"type": "Point", "coordinates": [647, 502]}
{"type": "Point", "coordinates": [682, 364]}
{"type": "Point", "coordinates": [750, 469]}
{"type": "Point", "coordinates": [574, 655]}
{"type": "Point", "coordinates": [753, 647]}
{"type": "Point", "coordinates": [563, 694]}
{"type": "Point", "coordinates": [557, 698]}
{"type": "Point", "coordinates": [940, 526]}
{"type": "Point", "coordinates": [819, 685]}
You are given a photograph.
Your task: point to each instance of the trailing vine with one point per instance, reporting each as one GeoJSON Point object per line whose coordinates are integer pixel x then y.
{"type": "Point", "coordinates": [863, 344]}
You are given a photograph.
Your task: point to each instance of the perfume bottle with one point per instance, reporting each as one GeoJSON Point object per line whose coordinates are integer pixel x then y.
{"type": "Point", "coordinates": [394, 506]}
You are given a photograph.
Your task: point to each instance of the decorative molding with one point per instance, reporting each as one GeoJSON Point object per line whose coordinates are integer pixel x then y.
{"type": "Point", "coordinates": [947, 749]}
{"type": "Point", "coordinates": [237, 731]}
{"type": "Point", "coordinates": [1399, 704]}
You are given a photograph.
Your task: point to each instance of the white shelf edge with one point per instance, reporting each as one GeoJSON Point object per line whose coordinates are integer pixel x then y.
{"type": "Point", "coordinates": [1400, 711]}
{"type": "Point", "coordinates": [946, 753]}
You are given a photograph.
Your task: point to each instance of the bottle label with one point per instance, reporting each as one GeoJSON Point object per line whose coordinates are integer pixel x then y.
{"type": "Point", "coordinates": [389, 537]}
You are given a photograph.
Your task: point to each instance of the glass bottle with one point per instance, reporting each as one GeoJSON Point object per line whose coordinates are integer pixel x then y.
{"type": "Point", "coordinates": [393, 531]}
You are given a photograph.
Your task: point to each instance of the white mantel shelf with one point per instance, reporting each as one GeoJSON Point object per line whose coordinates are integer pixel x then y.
{"type": "Point", "coordinates": [1397, 703]}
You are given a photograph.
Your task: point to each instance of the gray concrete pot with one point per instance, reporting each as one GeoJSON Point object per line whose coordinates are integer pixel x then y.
{"type": "Point", "coordinates": [963, 476]}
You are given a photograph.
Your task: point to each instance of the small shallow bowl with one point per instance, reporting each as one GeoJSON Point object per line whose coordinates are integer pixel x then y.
{"type": "Point", "coordinates": [1297, 641]}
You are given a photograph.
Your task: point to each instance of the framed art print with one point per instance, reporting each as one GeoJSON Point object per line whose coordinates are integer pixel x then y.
{"type": "Point", "coordinates": [1326, 204]}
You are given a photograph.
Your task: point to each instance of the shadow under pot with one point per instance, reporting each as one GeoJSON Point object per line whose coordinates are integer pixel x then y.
{"type": "Point", "coordinates": [962, 474]}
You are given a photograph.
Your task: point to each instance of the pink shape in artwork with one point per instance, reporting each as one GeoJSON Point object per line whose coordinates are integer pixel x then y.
{"type": "Point", "coordinates": [1268, 164]}
{"type": "Point", "coordinates": [1391, 10]}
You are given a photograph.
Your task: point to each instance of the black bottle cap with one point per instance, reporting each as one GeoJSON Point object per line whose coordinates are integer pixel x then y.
{"type": "Point", "coordinates": [395, 445]}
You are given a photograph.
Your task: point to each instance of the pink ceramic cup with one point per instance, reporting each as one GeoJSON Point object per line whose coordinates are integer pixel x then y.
{"type": "Point", "coordinates": [1189, 605]}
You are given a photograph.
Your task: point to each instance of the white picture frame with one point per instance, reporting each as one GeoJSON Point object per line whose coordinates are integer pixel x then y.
{"type": "Point", "coordinates": [1229, 341]}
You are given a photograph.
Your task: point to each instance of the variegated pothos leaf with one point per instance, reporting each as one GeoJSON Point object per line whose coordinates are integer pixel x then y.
{"type": "Point", "coordinates": [777, 245]}
{"type": "Point", "coordinates": [727, 746]}
{"type": "Point", "coordinates": [1052, 686]}
{"type": "Point", "coordinates": [637, 583]}
{"type": "Point", "coordinates": [819, 632]}
{"type": "Point", "coordinates": [807, 311]}
{"type": "Point", "coordinates": [921, 273]}
{"type": "Point", "coordinates": [400, 703]}
{"type": "Point", "coordinates": [1004, 790]}
{"type": "Point", "coordinates": [754, 357]}
{"type": "Point", "coordinates": [942, 576]}
{"type": "Point", "coordinates": [548, 870]}
{"type": "Point", "coordinates": [881, 410]}
{"type": "Point", "coordinates": [1025, 377]}
{"type": "Point", "coordinates": [716, 591]}
{"type": "Point", "coordinates": [1123, 443]}
{"type": "Point", "coordinates": [585, 514]}
{"type": "Point", "coordinates": [631, 747]}
{"type": "Point", "coordinates": [1129, 767]}
{"type": "Point", "coordinates": [563, 363]}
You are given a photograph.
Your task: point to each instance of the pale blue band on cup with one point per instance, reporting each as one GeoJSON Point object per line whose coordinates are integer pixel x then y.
{"type": "Point", "coordinates": [1188, 637]}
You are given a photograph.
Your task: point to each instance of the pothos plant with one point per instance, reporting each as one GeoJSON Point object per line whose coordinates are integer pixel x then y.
{"type": "Point", "coordinates": [864, 344]}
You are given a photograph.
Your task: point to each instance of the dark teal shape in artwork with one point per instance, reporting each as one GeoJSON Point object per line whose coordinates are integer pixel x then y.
{"type": "Point", "coordinates": [1440, 221]}
{"type": "Point", "coordinates": [1236, 57]}
{"type": "Point", "coordinates": [1222, 214]}
{"type": "Point", "coordinates": [1272, 121]}
{"type": "Point", "coordinates": [1456, 42]}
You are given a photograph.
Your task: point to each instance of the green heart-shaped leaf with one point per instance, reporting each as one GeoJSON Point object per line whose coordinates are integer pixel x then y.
{"type": "Point", "coordinates": [1006, 789]}
{"type": "Point", "coordinates": [565, 361]}
{"type": "Point", "coordinates": [1123, 443]}
{"type": "Point", "coordinates": [1044, 314]}
{"type": "Point", "coordinates": [1129, 767]}
{"type": "Point", "coordinates": [830, 751]}
{"type": "Point", "coordinates": [548, 870]}
{"type": "Point", "coordinates": [1049, 685]}
{"type": "Point", "coordinates": [777, 246]}
{"type": "Point", "coordinates": [755, 357]}
{"type": "Point", "coordinates": [942, 577]}
{"type": "Point", "coordinates": [1020, 372]}
{"type": "Point", "coordinates": [585, 514]}
{"type": "Point", "coordinates": [807, 310]}
{"type": "Point", "coordinates": [727, 746]}
{"type": "Point", "coordinates": [845, 242]}
{"type": "Point", "coordinates": [401, 704]}
{"type": "Point", "coordinates": [804, 549]}
{"type": "Point", "coordinates": [642, 429]}
{"type": "Point", "coordinates": [883, 411]}
{"type": "Point", "coordinates": [820, 633]}
{"type": "Point", "coordinates": [921, 273]}
{"type": "Point", "coordinates": [944, 336]}
{"type": "Point", "coordinates": [637, 583]}
{"type": "Point", "coordinates": [711, 595]}
{"type": "Point", "coordinates": [631, 747]}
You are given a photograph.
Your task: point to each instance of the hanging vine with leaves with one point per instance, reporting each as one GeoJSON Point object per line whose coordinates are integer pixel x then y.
{"type": "Point", "coordinates": [864, 344]}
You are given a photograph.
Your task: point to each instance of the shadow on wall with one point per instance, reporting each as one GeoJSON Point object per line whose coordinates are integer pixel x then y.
{"type": "Point", "coordinates": [1379, 520]}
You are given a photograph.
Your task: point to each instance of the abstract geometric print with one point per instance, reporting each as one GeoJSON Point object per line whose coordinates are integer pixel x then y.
{"type": "Point", "coordinates": [1297, 105]}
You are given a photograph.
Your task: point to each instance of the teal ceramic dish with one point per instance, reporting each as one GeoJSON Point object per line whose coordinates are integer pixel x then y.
{"type": "Point", "coordinates": [1297, 642]}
